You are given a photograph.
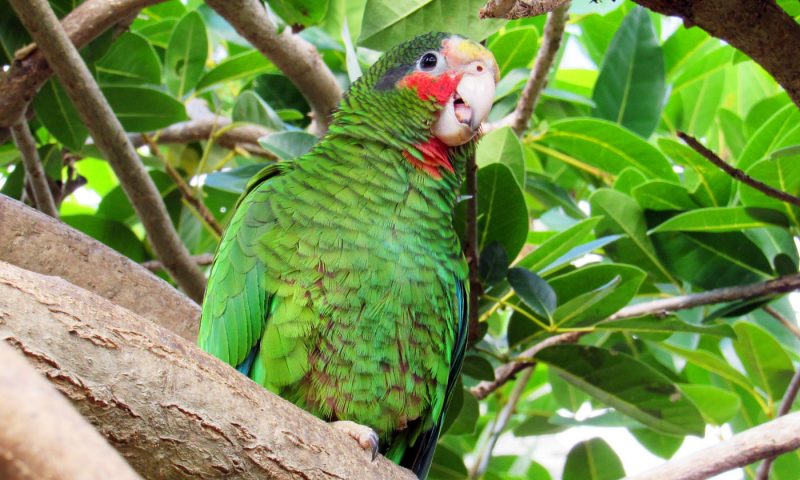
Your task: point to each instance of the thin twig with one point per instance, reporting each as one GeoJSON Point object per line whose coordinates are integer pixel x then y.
{"type": "Point", "coordinates": [785, 408]}
{"type": "Point", "coordinates": [499, 426]}
{"type": "Point", "coordinates": [766, 440]}
{"type": "Point", "coordinates": [471, 249]}
{"type": "Point", "coordinates": [791, 326]}
{"type": "Point", "coordinates": [553, 34]}
{"type": "Point", "coordinates": [186, 191]}
{"type": "Point", "coordinates": [736, 173]}
{"type": "Point", "coordinates": [39, 19]}
{"type": "Point", "coordinates": [657, 307]}
{"type": "Point", "coordinates": [202, 260]}
{"type": "Point", "coordinates": [34, 172]}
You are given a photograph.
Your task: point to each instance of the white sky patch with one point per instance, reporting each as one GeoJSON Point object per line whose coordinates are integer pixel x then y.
{"type": "Point", "coordinates": [574, 58]}
{"type": "Point", "coordinates": [86, 196]}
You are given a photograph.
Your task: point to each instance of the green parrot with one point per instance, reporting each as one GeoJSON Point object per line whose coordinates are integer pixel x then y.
{"type": "Point", "coordinates": [340, 284]}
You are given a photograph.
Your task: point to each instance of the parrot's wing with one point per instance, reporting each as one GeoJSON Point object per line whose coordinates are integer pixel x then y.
{"type": "Point", "coordinates": [235, 305]}
{"type": "Point", "coordinates": [419, 456]}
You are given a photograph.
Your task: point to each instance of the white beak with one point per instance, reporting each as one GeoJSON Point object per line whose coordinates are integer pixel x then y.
{"type": "Point", "coordinates": [463, 113]}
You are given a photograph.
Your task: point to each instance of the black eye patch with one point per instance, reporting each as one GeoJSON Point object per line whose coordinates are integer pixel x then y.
{"type": "Point", "coordinates": [392, 76]}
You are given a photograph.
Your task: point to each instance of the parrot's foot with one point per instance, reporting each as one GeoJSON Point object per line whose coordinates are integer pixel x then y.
{"type": "Point", "coordinates": [365, 436]}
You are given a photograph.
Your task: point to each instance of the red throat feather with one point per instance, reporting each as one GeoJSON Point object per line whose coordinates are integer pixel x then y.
{"type": "Point", "coordinates": [434, 155]}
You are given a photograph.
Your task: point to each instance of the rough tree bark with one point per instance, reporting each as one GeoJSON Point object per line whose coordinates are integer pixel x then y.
{"type": "Point", "coordinates": [34, 241]}
{"type": "Point", "coordinates": [30, 70]}
{"type": "Point", "coordinates": [170, 409]}
{"type": "Point", "coordinates": [43, 437]}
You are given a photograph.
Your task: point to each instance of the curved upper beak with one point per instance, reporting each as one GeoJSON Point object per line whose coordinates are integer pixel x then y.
{"type": "Point", "coordinates": [461, 117]}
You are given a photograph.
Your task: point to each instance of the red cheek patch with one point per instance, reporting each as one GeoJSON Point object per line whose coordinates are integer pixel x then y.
{"type": "Point", "coordinates": [434, 157]}
{"type": "Point", "coordinates": [440, 88]}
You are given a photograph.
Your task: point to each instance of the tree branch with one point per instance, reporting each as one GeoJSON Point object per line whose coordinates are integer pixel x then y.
{"type": "Point", "coordinates": [766, 440]}
{"type": "Point", "coordinates": [736, 173]}
{"type": "Point", "coordinates": [41, 22]}
{"type": "Point", "coordinates": [186, 191]}
{"type": "Point", "coordinates": [29, 72]}
{"type": "Point", "coordinates": [761, 29]}
{"type": "Point", "coordinates": [789, 325]}
{"type": "Point", "coordinates": [202, 260]}
{"type": "Point", "coordinates": [553, 34]}
{"type": "Point", "coordinates": [43, 436]}
{"type": "Point", "coordinates": [515, 9]}
{"type": "Point", "coordinates": [296, 58]}
{"type": "Point", "coordinates": [26, 145]}
{"type": "Point", "coordinates": [785, 408]}
{"type": "Point", "coordinates": [34, 241]}
{"type": "Point", "coordinates": [170, 409]}
{"type": "Point", "coordinates": [658, 307]}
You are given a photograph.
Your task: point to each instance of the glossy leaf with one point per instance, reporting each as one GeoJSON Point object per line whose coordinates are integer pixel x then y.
{"type": "Point", "coordinates": [241, 66]}
{"type": "Point", "coordinates": [298, 12]}
{"type": "Point", "coordinates": [515, 48]}
{"type": "Point", "coordinates": [493, 264]}
{"type": "Point", "coordinates": [630, 89]}
{"type": "Point", "coordinates": [131, 60]}
{"type": "Point", "coordinates": [558, 245]}
{"type": "Point", "coordinates": [767, 364]}
{"type": "Point", "coordinates": [186, 54]}
{"type": "Point", "coordinates": [781, 130]}
{"type": "Point", "coordinates": [593, 460]}
{"type": "Point", "coordinates": [716, 404]}
{"type": "Point", "coordinates": [249, 107]}
{"type": "Point", "coordinates": [631, 387]}
{"type": "Point", "coordinates": [782, 174]}
{"type": "Point", "coordinates": [502, 216]}
{"type": "Point", "coordinates": [669, 325]}
{"type": "Point", "coordinates": [55, 110]}
{"type": "Point", "coordinates": [661, 195]}
{"type": "Point", "coordinates": [533, 290]}
{"type": "Point", "coordinates": [502, 146]}
{"type": "Point", "coordinates": [288, 145]}
{"type": "Point", "coordinates": [722, 219]}
{"type": "Point", "coordinates": [144, 109]}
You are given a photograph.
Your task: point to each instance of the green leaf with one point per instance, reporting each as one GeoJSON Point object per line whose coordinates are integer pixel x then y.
{"type": "Point", "coordinates": [608, 147]}
{"type": "Point", "coordinates": [533, 290]}
{"type": "Point", "coordinates": [131, 60]}
{"type": "Point", "coordinates": [558, 245]}
{"type": "Point", "coordinates": [493, 264]}
{"type": "Point", "coordinates": [629, 179]}
{"type": "Point", "coordinates": [478, 368]}
{"type": "Point", "coordinates": [709, 185]}
{"type": "Point", "coordinates": [389, 22]}
{"type": "Point", "coordinates": [565, 394]}
{"type": "Point", "coordinates": [628, 385]}
{"type": "Point", "coordinates": [718, 406]}
{"type": "Point", "coordinates": [187, 52]}
{"type": "Point", "coordinates": [288, 145]}
{"type": "Point", "coordinates": [669, 325]}
{"type": "Point", "coordinates": [624, 216]}
{"type": "Point", "coordinates": [781, 130]}
{"type": "Point", "coordinates": [537, 424]}
{"type": "Point", "coordinates": [233, 181]}
{"type": "Point", "coordinates": [766, 362]}
{"type": "Point", "coordinates": [694, 108]}
{"type": "Point", "coordinates": [502, 214]}
{"type": "Point", "coordinates": [144, 109]}
{"type": "Point", "coordinates": [115, 234]}
{"type": "Point", "coordinates": [300, 12]}
{"type": "Point", "coordinates": [158, 33]}
{"type": "Point", "coordinates": [502, 146]}
{"type": "Point", "coordinates": [664, 446]}
{"type": "Point", "coordinates": [722, 219]}
{"type": "Point", "coordinates": [250, 108]}
{"type": "Point", "coordinates": [244, 65]}
{"type": "Point", "coordinates": [56, 112]}
{"type": "Point", "coordinates": [514, 48]}
{"type": "Point", "coordinates": [593, 460]}
{"type": "Point", "coordinates": [782, 174]}
{"type": "Point", "coordinates": [630, 89]}
{"type": "Point", "coordinates": [578, 252]}
{"type": "Point", "coordinates": [733, 131]}
{"type": "Point", "coordinates": [447, 465]}
{"type": "Point", "coordinates": [662, 195]}
{"type": "Point", "coordinates": [681, 46]}
{"type": "Point", "coordinates": [592, 293]}
{"type": "Point", "coordinates": [468, 414]}
{"type": "Point", "coordinates": [712, 260]}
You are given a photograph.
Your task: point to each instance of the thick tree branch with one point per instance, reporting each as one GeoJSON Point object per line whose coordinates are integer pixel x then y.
{"type": "Point", "coordinates": [296, 58]}
{"type": "Point", "coordinates": [43, 437]}
{"type": "Point", "coordinates": [28, 73]}
{"type": "Point", "coordinates": [170, 409]}
{"type": "Point", "coordinates": [766, 440]}
{"type": "Point", "coordinates": [514, 9]}
{"type": "Point", "coordinates": [202, 260]}
{"type": "Point", "coordinates": [785, 408]}
{"type": "Point", "coordinates": [759, 28]}
{"type": "Point", "coordinates": [736, 173]}
{"type": "Point", "coordinates": [34, 241]}
{"type": "Point", "coordinates": [658, 307]}
{"type": "Point", "coordinates": [41, 22]}
{"type": "Point", "coordinates": [34, 172]}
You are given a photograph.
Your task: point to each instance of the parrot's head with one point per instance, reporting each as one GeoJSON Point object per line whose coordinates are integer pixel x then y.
{"type": "Point", "coordinates": [443, 83]}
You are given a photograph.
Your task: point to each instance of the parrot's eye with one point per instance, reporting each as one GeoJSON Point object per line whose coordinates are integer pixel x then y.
{"type": "Point", "coordinates": [428, 61]}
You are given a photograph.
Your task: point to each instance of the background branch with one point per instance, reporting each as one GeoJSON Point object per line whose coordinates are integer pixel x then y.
{"type": "Point", "coordinates": [42, 196]}
{"type": "Point", "coordinates": [514, 9]}
{"type": "Point", "coordinates": [765, 440]}
{"type": "Point", "coordinates": [658, 307]}
{"type": "Point", "coordinates": [172, 410]}
{"type": "Point", "coordinates": [296, 58]}
{"type": "Point", "coordinates": [39, 19]}
{"type": "Point", "coordinates": [29, 72]}
{"type": "Point", "coordinates": [519, 119]}
{"type": "Point", "coordinates": [43, 437]}
{"type": "Point", "coordinates": [736, 173]}
{"type": "Point", "coordinates": [34, 241]}
{"type": "Point", "coordinates": [785, 408]}
{"type": "Point", "coordinates": [202, 260]}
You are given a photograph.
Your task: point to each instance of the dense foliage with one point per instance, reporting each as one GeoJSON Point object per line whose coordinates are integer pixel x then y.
{"type": "Point", "coordinates": [597, 206]}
